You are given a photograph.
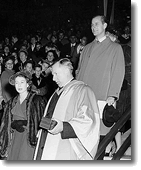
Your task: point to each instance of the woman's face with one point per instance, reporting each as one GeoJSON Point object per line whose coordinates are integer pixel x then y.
{"type": "Point", "coordinates": [29, 67]}
{"type": "Point", "coordinates": [21, 84]}
{"type": "Point", "coordinates": [9, 64]}
{"type": "Point", "coordinates": [50, 56]}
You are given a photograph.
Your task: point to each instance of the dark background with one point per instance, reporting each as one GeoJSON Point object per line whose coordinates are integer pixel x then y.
{"type": "Point", "coordinates": [17, 16]}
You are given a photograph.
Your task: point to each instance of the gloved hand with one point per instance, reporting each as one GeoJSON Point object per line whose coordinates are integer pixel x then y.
{"type": "Point", "coordinates": [18, 125]}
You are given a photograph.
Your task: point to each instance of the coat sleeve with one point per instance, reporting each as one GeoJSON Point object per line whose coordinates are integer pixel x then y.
{"type": "Point", "coordinates": [36, 111]}
{"type": "Point", "coordinates": [117, 73]}
{"type": "Point", "coordinates": [86, 123]}
{"type": "Point", "coordinates": [5, 130]}
{"type": "Point", "coordinates": [68, 131]}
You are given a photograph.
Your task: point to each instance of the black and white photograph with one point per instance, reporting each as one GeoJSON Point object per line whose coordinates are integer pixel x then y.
{"type": "Point", "coordinates": [65, 81]}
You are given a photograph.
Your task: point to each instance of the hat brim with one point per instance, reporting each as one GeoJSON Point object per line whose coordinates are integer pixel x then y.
{"type": "Point", "coordinates": [106, 123]}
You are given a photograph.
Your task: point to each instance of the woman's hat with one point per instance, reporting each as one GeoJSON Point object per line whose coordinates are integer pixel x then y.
{"type": "Point", "coordinates": [25, 74]}
{"type": "Point", "coordinates": [110, 115]}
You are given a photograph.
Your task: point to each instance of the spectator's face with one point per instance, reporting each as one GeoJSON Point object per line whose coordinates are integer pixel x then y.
{"type": "Point", "coordinates": [21, 84]}
{"type": "Point", "coordinates": [29, 67]}
{"type": "Point", "coordinates": [44, 66]}
{"type": "Point", "coordinates": [6, 50]}
{"type": "Point", "coordinates": [59, 74]}
{"type": "Point", "coordinates": [33, 40]}
{"type": "Point", "coordinates": [98, 28]}
{"type": "Point", "coordinates": [53, 39]}
{"type": "Point", "coordinates": [14, 54]}
{"type": "Point", "coordinates": [38, 71]}
{"type": "Point", "coordinates": [73, 39]}
{"type": "Point", "coordinates": [22, 56]}
{"type": "Point", "coordinates": [7, 40]}
{"type": "Point", "coordinates": [61, 35]}
{"type": "Point", "coordinates": [9, 64]}
{"type": "Point", "coordinates": [84, 41]}
{"type": "Point", "coordinates": [50, 56]}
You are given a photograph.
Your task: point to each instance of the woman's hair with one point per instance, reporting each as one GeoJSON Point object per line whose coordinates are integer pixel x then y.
{"type": "Point", "coordinates": [8, 58]}
{"type": "Point", "coordinates": [54, 54]}
{"type": "Point", "coordinates": [29, 81]}
{"type": "Point", "coordinates": [24, 74]}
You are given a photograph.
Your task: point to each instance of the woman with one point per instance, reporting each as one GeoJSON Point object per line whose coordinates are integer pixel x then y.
{"type": "Point", "coordinates": [20, 122]}
{"type": "Point", "coordinates": [51, 56]}
{"type": "Point", "coordinates": [23, 57]}
{"type": "Point", "coordinates": [8, 91]}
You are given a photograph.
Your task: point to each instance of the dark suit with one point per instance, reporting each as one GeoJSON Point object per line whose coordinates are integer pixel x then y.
{"type": "Point", "coordinates": [40, 84]}
{"type": "Point", "coordinates": [70, 52]}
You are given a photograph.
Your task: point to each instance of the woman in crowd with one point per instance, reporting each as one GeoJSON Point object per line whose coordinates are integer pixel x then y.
{"type": "Point", "coordinates": [51, 56]}
{"type": "Point", "coordinates": [21, 118]}
{"type": "Point", "coordinates": [8, 91]}
{"type": "Point", "coordinates": [23, 57]}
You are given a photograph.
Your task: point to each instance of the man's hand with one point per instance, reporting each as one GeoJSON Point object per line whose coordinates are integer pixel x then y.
{"type": "Point", "coordinates": [58, 128]}
{"type": "Point", "coordinates": [110, 101]}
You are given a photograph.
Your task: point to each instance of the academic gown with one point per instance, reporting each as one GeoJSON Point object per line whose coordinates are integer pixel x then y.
{"type": "Point", "coordinates": [77, 106]}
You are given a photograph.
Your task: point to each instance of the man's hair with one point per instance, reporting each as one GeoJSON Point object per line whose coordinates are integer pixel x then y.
{"type": "Point", "coordinates": [38, 66]}
{"type": "Point", "coordinates": [30, 62]}
{"type": "Point", "coordinates": [103, 18]}
{"type": "Point", "coordinates": [65, 62]}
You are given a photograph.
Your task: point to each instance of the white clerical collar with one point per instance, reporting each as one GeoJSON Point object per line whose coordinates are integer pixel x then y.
{"type": "Point", "coordinates": [101, 39]}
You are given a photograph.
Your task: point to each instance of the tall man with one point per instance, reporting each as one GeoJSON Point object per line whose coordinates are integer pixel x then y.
{"type": "Point", "coordinates": [102, 66]}
{"type": "Point", "coordinates": [74, 107]}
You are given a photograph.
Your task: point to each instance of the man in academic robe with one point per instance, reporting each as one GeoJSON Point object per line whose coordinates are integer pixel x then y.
{"type": "Point", "coordinates": [74, 108]}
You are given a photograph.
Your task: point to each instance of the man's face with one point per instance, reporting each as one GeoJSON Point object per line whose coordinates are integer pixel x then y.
{"type": "Point", "coordinates": [33, 40]}
{"type": "Point", "coordinates": [98, 28]}
{"type": "Point", "coordinates": [83, 41]}
{"type": "Point", "coordinates": [59, 74]}
{"type": "Point", "coordinates": [22, 56]}
{"type": "Point", "coordinates": [73, 39]}
{"type": "Point", "coordinates": [38, 71]}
